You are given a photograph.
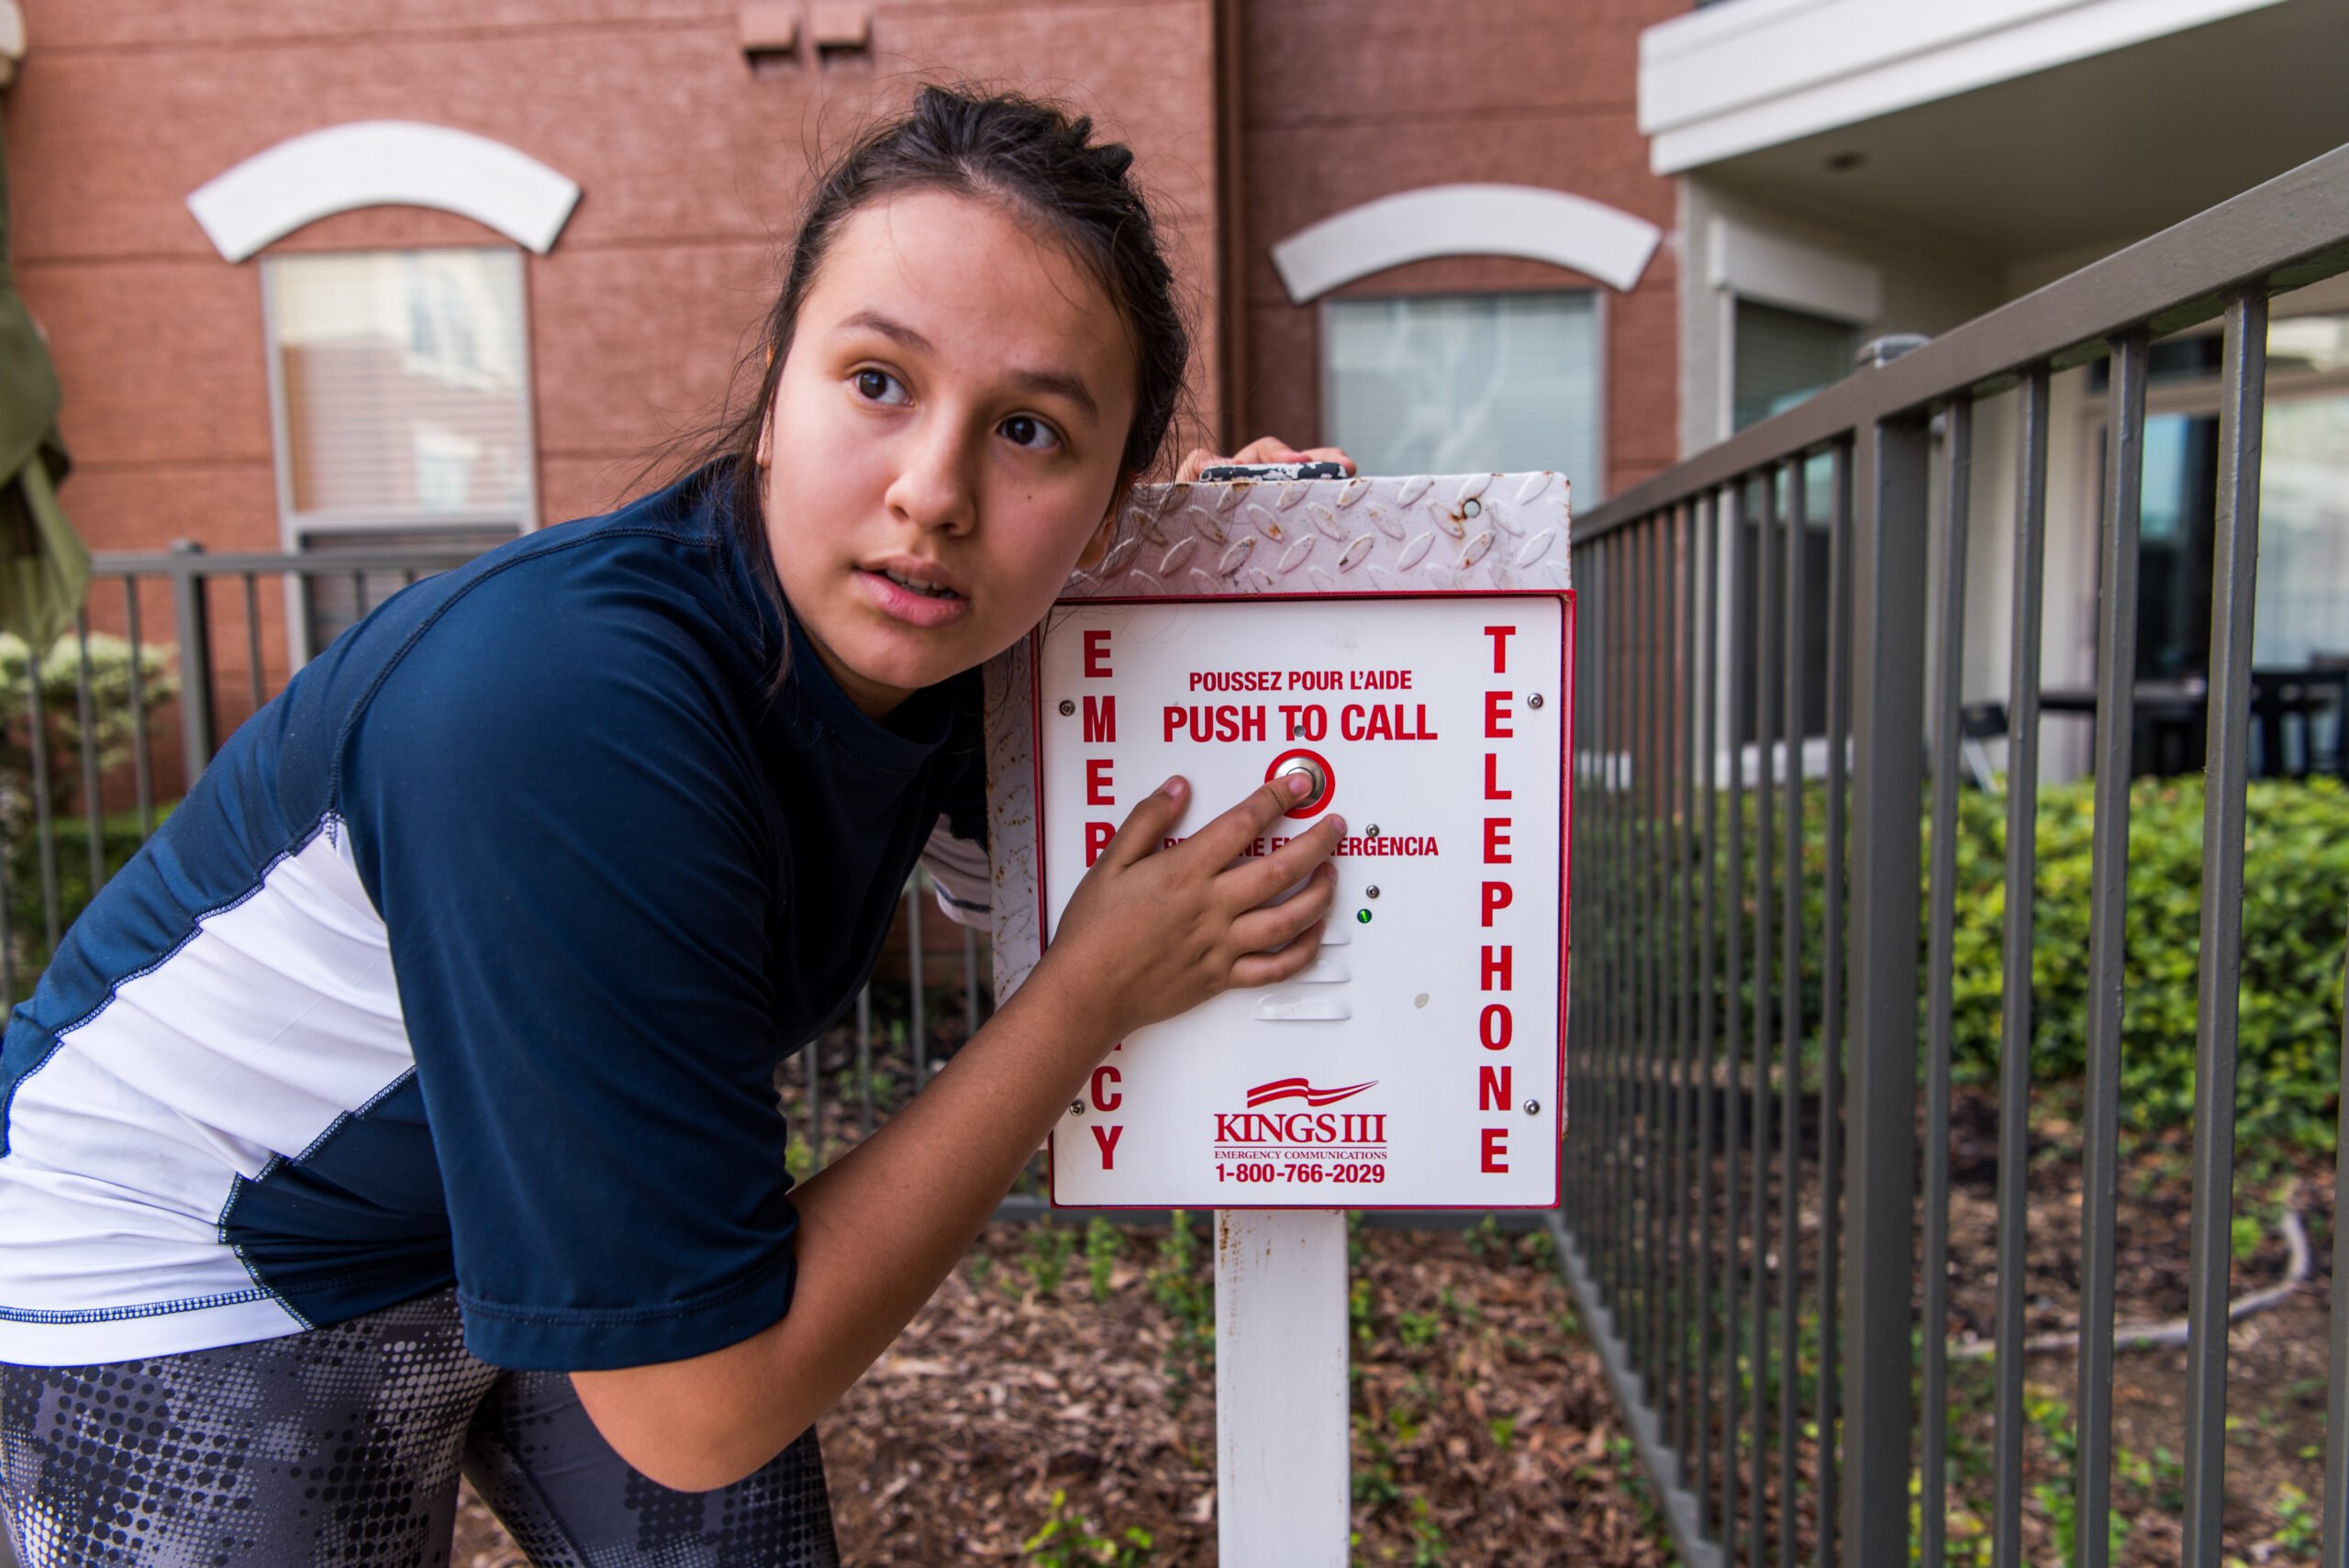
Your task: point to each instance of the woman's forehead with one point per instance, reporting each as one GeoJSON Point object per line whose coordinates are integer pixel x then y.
{"type": "Point", "coordinates": [972, 278]}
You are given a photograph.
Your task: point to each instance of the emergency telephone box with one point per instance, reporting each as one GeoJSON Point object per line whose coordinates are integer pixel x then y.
{"type": "Point", "coordinates": [1407, 644]}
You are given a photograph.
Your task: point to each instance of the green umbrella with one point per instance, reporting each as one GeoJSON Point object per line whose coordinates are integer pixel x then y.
{"type": "Point", "coordinates": [44, 568]}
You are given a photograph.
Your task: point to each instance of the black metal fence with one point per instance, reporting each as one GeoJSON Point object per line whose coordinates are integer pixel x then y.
{"type": "Point", "coordinates": [1761, 1079]}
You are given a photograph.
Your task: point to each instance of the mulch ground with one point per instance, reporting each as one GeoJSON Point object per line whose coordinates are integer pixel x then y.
{"type": "Point", "coordinates": [1059, 1363]}
{"type": "Point", "coordinates": [2277, 1360]}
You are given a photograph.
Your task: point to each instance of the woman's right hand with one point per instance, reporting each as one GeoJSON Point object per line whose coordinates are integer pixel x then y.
{"type": "Point", "coordinates": [1154, 930]}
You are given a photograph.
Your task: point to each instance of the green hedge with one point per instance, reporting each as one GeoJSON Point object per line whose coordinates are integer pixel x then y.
{"type": "Point", "coordinates": [2294, 928]}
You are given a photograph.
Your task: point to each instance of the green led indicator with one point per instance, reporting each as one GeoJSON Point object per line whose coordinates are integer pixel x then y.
{"type": "Point", "coordinates": [1362, 916]}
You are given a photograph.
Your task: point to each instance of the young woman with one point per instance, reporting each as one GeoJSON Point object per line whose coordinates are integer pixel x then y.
{"type": "Point", "coordinates": [408, 1104]}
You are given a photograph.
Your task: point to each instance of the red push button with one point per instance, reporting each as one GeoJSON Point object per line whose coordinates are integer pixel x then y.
{"type": "Point", "coordinates": [1314, 766]}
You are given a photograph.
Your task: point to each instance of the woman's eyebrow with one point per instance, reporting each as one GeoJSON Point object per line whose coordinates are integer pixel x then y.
{"type": "Point", "coordinates": [1059, 382]}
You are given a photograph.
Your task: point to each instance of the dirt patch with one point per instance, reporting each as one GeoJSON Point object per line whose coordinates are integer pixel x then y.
{"type": "Point", "coordinates": [2277, 1361]}
{"type": "Point", "coordinates": [1058, 1361]}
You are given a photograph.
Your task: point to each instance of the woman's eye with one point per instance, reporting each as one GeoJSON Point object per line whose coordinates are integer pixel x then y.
{"type": "Point", "coordinates": [1025, 430]}
{"type": "Point", "coordinates": [879, 386]}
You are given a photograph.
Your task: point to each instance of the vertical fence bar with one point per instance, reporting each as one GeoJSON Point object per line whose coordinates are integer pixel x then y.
{"type": "Point", "coordinates": [2336, 1404]}
{"type": "Point", "coordinates": [1680, 606]}
{"type": "Point", "coordinates": [1653, 774]}
{"type": "Point", "coordinates": [1603, 1224]}
{"type": "Point", "coordinates": [1582, 937]}
{"type": "Point", "coordinates": [1741, 642]}
{"type": "Point", "coordinates": [1608, 1226]}
{"type": "Point", "coordinates": [192, 623]}
{"type": "Point", "coordinates": [1654, 645]}
{"type": "Point", "coordinates": [1831, 1055]}
{"type": "Point", "coordinates": [44, 808]}
{"type": "Point", "coordinates": [2109, 875]}
{"type": "Point", "coordinates": [1940, 968]}
{"type": "Point", "coordinates": [1887, 658]}
{"type": "Point", "coordinates": [814, 1110]}
{"type": "Point", "coordinates": [1706, 1009]}
{"type": "Point", "coordinates": [142, 769]}
{"type": "Point", "coordinates": [1765, 735]}
{"type": "Point", "coordinates": [865, 1060]}
{"type": "Point", "coordinates": [2234, 580]}
{"type": "Point", "coordinates": [2015, 1026]}
{"type": "Point", "coordinates": [1634, 1326]}
{"type": "Point", "coordinates": [1790, 1029]}
{"type": "Point", "coordinates": [917, 994]}
{"type": "Point", "coordinates": [85, 715]}
{"type": "Point", "coordinates": [255, 688]}
{"type": "Point", "coordinates": [1590, 905]}
{"type": "Point", "coordinates": [970, 981]}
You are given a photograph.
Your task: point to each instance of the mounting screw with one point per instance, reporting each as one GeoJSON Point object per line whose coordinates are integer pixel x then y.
{"type": "Point", "coordinates": [1067, 708]}
{"type": "Point", "coordinates": [1371, 831]}
{"type": "Point", "coordinates": [1076, 1107]}
{"type": "Point", "coordinates": [1532, 1107]}
{"type": "Point", "coordinates": [1370, 893]}
{"type": "Point", "coordinates": [1534, 701]}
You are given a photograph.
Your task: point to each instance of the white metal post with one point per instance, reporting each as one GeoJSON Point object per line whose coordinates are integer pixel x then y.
{"type": "Point", "coordinates": [1283, 1454]}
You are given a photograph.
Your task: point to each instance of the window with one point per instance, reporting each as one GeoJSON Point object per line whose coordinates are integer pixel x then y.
{"type": "Point", "coordinates": [1466, 384]}
{"type": "Point", "coordinates": [1783, 357]}
{"type": "Point", "coordinates": [400, 387]}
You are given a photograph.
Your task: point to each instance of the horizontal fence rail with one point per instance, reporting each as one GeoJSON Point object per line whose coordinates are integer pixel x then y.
{"type": "Point", "coordinates": [1764, 915]}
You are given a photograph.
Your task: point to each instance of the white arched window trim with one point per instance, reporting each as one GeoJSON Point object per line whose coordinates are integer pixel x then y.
{"type": "Point", "coordinates": [1566, 230]}
{"type": "Point", "coordinates": [379, 164]}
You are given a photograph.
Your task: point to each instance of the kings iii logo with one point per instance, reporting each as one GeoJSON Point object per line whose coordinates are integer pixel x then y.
{"type": "Point", "coordinates": [1261, 1126]}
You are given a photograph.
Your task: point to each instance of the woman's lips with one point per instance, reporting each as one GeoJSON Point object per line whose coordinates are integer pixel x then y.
{"type": "Point", "coordinates": [898, 602]}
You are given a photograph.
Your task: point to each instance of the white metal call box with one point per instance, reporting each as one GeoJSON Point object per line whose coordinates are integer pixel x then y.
{"type": "Point", "coordinates": [1417, 1064]}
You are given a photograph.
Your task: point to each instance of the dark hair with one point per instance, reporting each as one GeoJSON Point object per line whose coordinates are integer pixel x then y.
{"type": "Point", "coordinates": [1041, 162]}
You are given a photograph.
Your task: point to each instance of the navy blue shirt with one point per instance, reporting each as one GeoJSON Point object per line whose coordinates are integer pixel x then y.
{"type": "Point", "coordinates": [472, 958]}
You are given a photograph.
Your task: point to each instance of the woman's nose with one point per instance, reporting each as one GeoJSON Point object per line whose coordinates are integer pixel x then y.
{"type": "Point", "coordinates": [934, 489]}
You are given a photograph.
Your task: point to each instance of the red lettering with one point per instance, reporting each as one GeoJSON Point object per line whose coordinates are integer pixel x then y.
{"type": "Point", "coordinates": [1097, 839]}
{"type": "Point", "coordinates": [1499, 964]}
{"type": "Point", "coordinates": [1497, 716]}
{"type": "Point", "coordinates": [1493, 790]}
{"type": "Point", "coordinates": [1497, 896]}
{"type": "Point", "coordinates": [1106, 1137]}
{"type": "Point", "coordinates": [1105, 1096]}
{"type": "Point", "coordinates": [1493, 1091]}
{"type": "Point", "coordinates": [1096, 654]}
{"type": "Point", "coordinates": [1497, 1027]}
{"type": "Point", "coordinates": [1101, 721]}
{"type": "Point", "coordinates": [1501, 636]}
{"type": "Point", "coordinates": [1098, 782]}
{"type": "Point", "coordinates": [1496, 841]}
{"type": "Point", "coordinates": [1252, 724]}
{"type": "Point", "coordinates": [1496, 1150]}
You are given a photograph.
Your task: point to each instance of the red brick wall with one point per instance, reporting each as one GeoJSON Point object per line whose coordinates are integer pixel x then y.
{"type": "Point", "coordinates": [690, 163]}
{"type": "Point", "coordinates": [1348, 100]}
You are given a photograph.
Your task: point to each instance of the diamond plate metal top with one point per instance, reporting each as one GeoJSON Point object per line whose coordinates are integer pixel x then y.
{"type": "Point", "coordinates": [1424, 533]}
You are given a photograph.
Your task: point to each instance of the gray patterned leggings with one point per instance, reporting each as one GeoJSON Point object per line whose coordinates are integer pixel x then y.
{"type": "Point", "coordinates": [343, 1445]}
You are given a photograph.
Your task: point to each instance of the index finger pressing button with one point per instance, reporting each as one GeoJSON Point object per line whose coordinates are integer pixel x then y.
{"type": "Point", "coordinates": [1316, 769]}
